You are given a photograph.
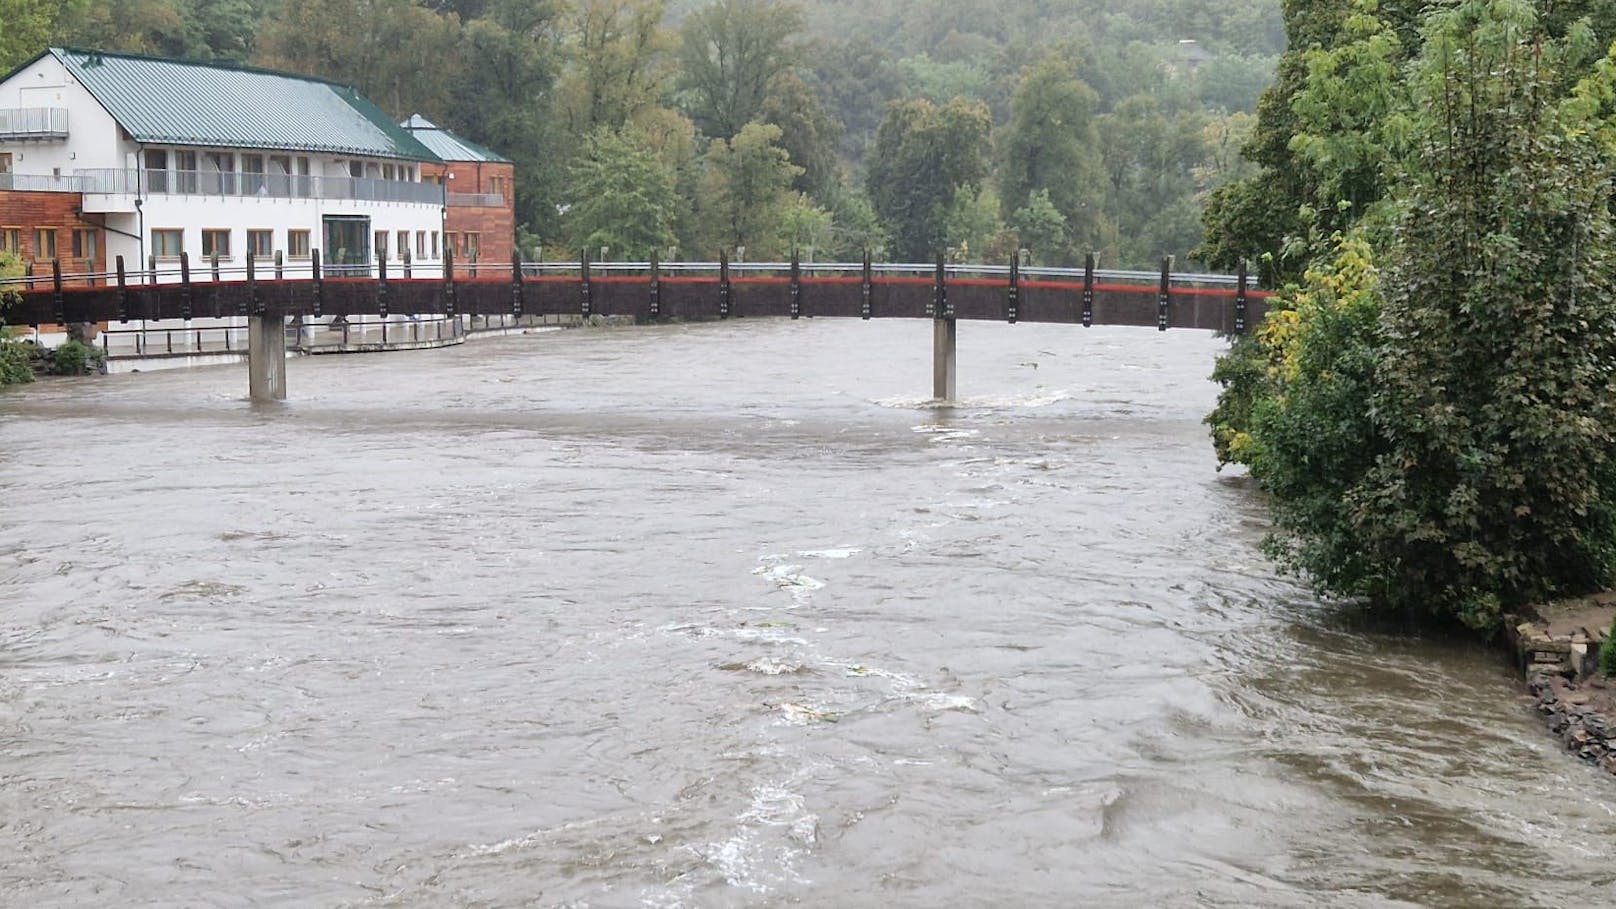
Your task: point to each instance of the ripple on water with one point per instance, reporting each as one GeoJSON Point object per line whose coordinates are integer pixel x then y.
{"type": "Point", "coordinates": [623, 630]}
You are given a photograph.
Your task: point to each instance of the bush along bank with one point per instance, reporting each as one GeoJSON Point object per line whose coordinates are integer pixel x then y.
{"type": "Point", "coordinates": [1568, 653]}
{"type": "Point", "coordinates": [22, 361]}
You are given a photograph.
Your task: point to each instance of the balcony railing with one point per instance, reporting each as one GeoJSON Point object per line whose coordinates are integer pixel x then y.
{"type": "Point", "coordinates": [33, 123]}
{"type": "Point", "coordinates": [255, 185]}
{"type": "Point", "coordinates": [41, 183]}
{"type": "Point", "coordinates": [476, 200]}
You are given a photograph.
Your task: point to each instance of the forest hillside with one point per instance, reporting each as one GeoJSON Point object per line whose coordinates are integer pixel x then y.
{"type": "Point", "coordinates": [978, 129]}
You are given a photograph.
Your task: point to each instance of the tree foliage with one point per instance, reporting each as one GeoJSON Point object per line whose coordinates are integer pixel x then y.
{"type": "Point", "coordinates": [621, 197]}
{"type": "Point", "coordinates": [1436, 434]}
{"type": "Point", "coordinates": [923, 155]}
{"type": "Point", "coordinates": [1051, 146]}
{"type": "Point", "coordinates": [730, 51]}
{"type": "Point", "coordinates": [14, 358]}
{"type": "Point", "coordinates": [748, 190]}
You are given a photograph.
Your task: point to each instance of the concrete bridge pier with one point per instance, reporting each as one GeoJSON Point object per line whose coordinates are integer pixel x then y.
{"type": "Point", "coordinates": [944, 362]}
{"type": "Point", "coordinates": [266, 358]}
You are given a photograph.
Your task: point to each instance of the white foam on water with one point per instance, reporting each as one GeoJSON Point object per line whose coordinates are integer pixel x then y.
{"type": "Point", "coordinates": [775, 830]}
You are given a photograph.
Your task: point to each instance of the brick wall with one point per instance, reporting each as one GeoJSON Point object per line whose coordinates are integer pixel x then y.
{"type": "Point", "coordinates": [495, 227]}
{"type": "Point", "coordinates": [27, 213]}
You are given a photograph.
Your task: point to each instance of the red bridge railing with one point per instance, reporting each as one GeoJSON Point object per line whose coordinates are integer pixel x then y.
{"type": "Point", "coordinates": [647, 290]}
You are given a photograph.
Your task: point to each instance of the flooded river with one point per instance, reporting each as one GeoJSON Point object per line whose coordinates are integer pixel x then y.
{"type": "Point", "coordinates": [722, 615]}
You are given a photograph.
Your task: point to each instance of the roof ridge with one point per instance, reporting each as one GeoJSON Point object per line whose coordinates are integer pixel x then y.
{"type": "Point", "coordinates": [231, 65]}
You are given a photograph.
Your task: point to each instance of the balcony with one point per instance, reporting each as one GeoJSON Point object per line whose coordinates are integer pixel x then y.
{"type": "Point", "coordinates": [256, 186]}
{"type": "Point", "coordinates": [33, 123]}
{"type": "Point", "coordinates": [41, 183]}
{"type": "Point", "coordinates": [476, 200]}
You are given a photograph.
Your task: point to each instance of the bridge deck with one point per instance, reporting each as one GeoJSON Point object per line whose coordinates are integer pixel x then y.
{"type": "Point", "coordinates": [677, 296]}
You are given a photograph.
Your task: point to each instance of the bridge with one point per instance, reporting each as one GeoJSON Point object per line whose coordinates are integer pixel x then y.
{"type": "Point", "coordinates": [646, 291]}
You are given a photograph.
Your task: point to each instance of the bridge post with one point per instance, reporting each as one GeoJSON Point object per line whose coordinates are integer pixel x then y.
{"type": "Point", "coordinates": [266, 357]}
{"type": "Point", "coordinates": [944, 339]}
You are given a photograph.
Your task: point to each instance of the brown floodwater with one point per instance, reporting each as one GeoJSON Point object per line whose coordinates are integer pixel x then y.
{"type": "Point", "coordinates": [722, 615]}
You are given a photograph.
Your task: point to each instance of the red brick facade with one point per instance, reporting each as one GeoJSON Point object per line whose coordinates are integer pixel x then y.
{"type": "Point", "coordinates": [489, 230]}
{"type": "Point", "coordinates": [31, 221]}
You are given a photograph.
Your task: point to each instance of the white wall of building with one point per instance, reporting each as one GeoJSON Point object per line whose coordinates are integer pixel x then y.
{"type": "Point", "coordinates": [94, 140]}
{"type": "Point", "coordinates": [194, 214]}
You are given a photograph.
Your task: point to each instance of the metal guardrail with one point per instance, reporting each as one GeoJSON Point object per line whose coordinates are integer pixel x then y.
{"type": "Point", "coordinates": [41, 183]}
{"type": "Point", "coordinates": [856, 269]}
{"type": "Point", "coordinates": [475, 200]}
{"type": "Point", "coordinates": [161, 340]}
{"type": "Point", "coordinates": [168, 271]}
{"type": "Point", "coordinates": [148, 182]}
{"type": "Point", "coordinates": [33, 123]}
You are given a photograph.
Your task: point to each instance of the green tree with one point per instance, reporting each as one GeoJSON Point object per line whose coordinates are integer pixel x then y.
{"type": "Point", "coordinates": [1150, 159]}
{"type": "Point", "coordinates": [923, 155]}
{"type": "Point", "coordinates": [807, 132]}
{"type": "Point", "coordinates": [30, 25]}
{"type": "Point", "coordinates": [973, 230]}
{"type": "Point", "coordinates": [856, 80]}
{"type": "Point", "coordinates": [1449, 449]}
{"type": "Point", "coordinates": [503, 96]}
{"type": "Point", "coordinates": [14, 358]}
{"type": "Point", "coordinates": [1051, 145]}
{"type": "Point", "coordinates": [1041, 230]}
{"type": "Point", "coordinates": [381, 47]}
{"type": "Point", "coordinates": [730, 51]}
{"type": "Point", "coordinates": [804, 225]}
{"type": "Point", "coordinates": [619, 61]}
{"type": "Point", "coordinates": [621, 196]}
{"type": "Point", "coordinates": [747, 189]}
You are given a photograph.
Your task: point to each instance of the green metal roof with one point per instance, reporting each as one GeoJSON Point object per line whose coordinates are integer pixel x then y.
{"type": "Point", "coordinates": [231, 106]}
{"type": "Point", "coordinates": [447, 145]}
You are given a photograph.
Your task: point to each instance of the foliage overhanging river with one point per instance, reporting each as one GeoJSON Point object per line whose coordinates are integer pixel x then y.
{"type": "Point", "coordinates": [721, 615]}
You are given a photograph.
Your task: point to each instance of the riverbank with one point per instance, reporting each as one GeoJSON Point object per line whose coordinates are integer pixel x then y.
{"type": "Point", "coordinates": [1558, 650]}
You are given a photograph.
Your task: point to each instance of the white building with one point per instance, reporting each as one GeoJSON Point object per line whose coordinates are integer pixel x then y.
{"type": "Point", "coordinates": [159, 156]}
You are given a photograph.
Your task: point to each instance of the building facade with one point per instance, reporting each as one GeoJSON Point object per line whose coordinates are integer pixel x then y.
{"type": "Point", "coordinates": [479, 193]}
{"type": "Point", "coordinates": [105, 155]}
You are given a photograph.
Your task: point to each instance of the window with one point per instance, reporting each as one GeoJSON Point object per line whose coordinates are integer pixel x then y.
{"type": "Point", "coordinates": [86, 245]}
{"type": "Point", "coordinates": [261, 244]}
{"type": "Point", "coordinates": [381, 246]}
{"type": "Point", "coordinates": [420, 244]}
{"type": "Point", "coordinates": [11, 240]}
{"type": "Point", "coordinates": [498, 187]}
{"type": "Point", "coordinates": [252, 176]}
{"type": "Point", "coordinates": [280, 175]}
{"type": "Point", "coordinates": [434, 244]}
{"type": "Point", "coordinates": [356, 169]}
{"type": "Point", "coordinates": [471, 245]}
{"type": "Point", "coordinates": [5, 162]}
{"type": "Point", "coordinates": [157, 170]}
{"type": "Point", "coordinates": [216, 243]}
{"type": "Point", "coordinates": [433, 181]}
{"type": "Point", "coordinates": [403, 245]}
{"type": "Point", "coordinates": [168, 243]}
{"type": "Point", "coordinates": [44, 244]}
{"type": "Point", "coordinates": [297, 244]}
{"type": "Point", "coordinates": [185, 165]}
{"type": "Point", "coordinates": [387, 172]}
{"type": "Point", "coordinates": [219, 173]}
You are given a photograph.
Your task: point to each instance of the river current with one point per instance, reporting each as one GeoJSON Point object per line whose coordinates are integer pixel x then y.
{"type": "Point", "coordinates": [722, 615]}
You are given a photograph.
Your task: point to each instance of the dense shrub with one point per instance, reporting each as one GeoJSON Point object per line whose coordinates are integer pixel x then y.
{"type": "Point", "coordinates": [75, 358]}
{"type": "Point", "coordinates": [1438, 435]}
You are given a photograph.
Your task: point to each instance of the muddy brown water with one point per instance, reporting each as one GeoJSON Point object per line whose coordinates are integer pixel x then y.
{"type": "Point", "coordinates": [722, 615]}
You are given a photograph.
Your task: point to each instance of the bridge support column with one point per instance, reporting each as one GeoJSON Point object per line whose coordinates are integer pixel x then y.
{"type": "Point", "coordinates": [944, 338]}
{"type": "Point", "coordinates": [266, 358]}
